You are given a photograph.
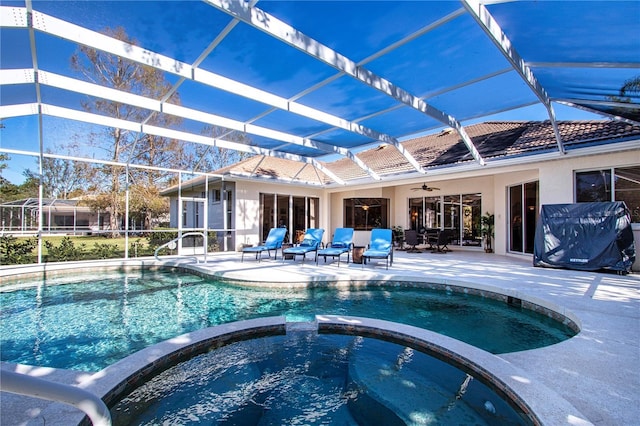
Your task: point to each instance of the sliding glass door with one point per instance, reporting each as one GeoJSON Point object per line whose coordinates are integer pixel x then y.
{"type": "Point", "coordinates": [288, 211]}
{"type": "Point", "coordinates": [523, 213]}
{"type": "Point", "coordinates": [459, 214]}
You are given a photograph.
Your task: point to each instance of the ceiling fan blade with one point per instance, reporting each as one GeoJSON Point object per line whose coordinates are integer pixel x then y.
{"type": "Point", "coordinates": [425, 187]}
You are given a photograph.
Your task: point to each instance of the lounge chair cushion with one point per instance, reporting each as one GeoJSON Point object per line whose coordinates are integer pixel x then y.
{"type": "Point", "coordinates": [273, 242]}
{"type": "Point", "coordinates": [380, 246]}
{"type": "Point", "coordinates": [308, 242]}
{"type": "Point", "coordinates": [377, 253]}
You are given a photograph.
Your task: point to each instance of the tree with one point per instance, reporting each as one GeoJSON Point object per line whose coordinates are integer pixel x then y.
{"type": "Point", "coordinates": [63, 178]}
{"type": "Point", "coordinates": [3, 165]}
{"type": "Point", "coordinates": [12, 192]}
{"type": "Point", "coordinates": [630, 88]}
{"type": "Point", "coordinates": [146, 203]}
{"type": "Point", "coordinates": [122, 145]}
{"type": "Point", "coordinates": [144, 185]}
{"type": "Point", "coordinates": [213, 158]}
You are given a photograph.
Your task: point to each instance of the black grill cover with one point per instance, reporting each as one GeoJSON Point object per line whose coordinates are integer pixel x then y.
{"type": "Point", "coordinates": [585, 236]}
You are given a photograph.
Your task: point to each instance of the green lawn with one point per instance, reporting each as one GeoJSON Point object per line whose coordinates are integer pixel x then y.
{"type": "Point", "coordinates": [14, 250]}
{"type": "Point", "coordinates": [89, 241]}
{"type": "Point", "coordinates": [61, 248]}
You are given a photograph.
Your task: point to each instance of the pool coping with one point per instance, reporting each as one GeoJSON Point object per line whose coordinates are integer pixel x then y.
{"type": "Point", "coordinates": [543, 405]}
{"type": "Point", "coordinates": [596, 371]}
{"type": "Point", "coordinates": [129, 372]}
{"type": "Point", "coordinates": [533, 303]}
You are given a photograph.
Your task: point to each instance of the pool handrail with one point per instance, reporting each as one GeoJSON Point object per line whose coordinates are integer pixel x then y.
{"type": "Point", "coordinates": [175, 240]}
{"type": "Point", "coordinates": [86, 401]}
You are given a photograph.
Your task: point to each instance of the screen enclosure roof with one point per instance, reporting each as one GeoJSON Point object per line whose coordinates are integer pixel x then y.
{"type": "Point", "coordinates": [322, 81]}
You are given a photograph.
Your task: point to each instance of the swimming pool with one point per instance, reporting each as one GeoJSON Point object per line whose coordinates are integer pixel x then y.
{"type": "Point", "coordinates": [89, 322]}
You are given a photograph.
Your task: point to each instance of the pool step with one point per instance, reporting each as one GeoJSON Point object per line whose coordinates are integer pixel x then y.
{"type": "Point", "coordinates": [389, 383]}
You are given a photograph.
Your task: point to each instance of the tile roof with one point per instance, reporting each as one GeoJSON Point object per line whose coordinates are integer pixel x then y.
{"type": "Point", "coordinates": [494, 140]}
{"type": "Point", "coordinates": [276, 168]}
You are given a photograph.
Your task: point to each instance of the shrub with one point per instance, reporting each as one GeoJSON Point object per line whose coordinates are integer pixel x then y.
{"type": "Point", "coordinates": [14, 250]}
{"type": "Point", "coordinates": [137, 248]}
{"type": "Point", "coordinates": [156, 239]}
{"type": "Point", "coordinates": [65, 251]}
{"type": "Point", "coordinates": [212, 241]}
{"type": "Point", "coordinates": [105, 251]}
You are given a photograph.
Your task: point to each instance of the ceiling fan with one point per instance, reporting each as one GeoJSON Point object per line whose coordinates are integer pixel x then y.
{"type": "Point", "coordinates": [425, 187]}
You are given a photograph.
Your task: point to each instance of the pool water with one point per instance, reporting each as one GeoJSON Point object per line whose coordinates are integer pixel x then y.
{"type": "Point", "coordinates": [305, 378]}
{"type": "Point", "coordinates": [89, 322]}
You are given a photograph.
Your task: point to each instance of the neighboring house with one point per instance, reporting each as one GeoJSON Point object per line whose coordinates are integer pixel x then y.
{"type": "Point", "coordinates": [59, 216]}
{"type": "Point", "coordinates": [523, 170]}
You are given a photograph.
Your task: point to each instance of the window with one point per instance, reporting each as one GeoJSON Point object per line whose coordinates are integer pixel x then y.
{"type": "Point", "coordinates": [63, 221]}
{"type": "Point", "coordinates": [363, 214]}
{"type": "Point", "coordinates": [593, 186]}
{"type": "Point", "coordinates": [215, 196]}
{"type": "Point", "coordinates": [229, 223]}
{"type": "Point", "coordinates": [615, 184]}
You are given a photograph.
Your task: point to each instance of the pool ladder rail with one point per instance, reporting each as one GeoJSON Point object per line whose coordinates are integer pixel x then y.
{"type": "Point", "coordinates": [172, 245]}
{"type": "Point", "coordinates": [86, 401]}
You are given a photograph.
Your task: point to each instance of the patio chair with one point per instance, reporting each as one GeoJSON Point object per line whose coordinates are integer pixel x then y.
{"type": "Point", "coordinates": [380, 247]}
{"type": "Point", "coordinates": [342, 243]}
{"type": "Point", "coordinates": [273, 242]}
{"type": "Point", "coordinates": [411, 239]}
{"type": "Point", "coordinates": [440, 244]}
{"type": "Point", "coordinates": [310, 243]}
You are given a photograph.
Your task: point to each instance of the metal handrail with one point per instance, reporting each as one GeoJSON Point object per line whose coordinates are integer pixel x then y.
{"type": "Point", "coordinates": [175, 240]}
{"type": "Point", "coordinates": [86, 401]}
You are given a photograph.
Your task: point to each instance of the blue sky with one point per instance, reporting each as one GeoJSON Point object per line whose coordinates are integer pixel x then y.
{"type": "Point", "coordinates": [430, 65]}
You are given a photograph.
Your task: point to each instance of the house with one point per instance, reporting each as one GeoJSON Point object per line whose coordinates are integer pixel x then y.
{"type": "Point", "coordinates": [59, 215]}
{"type": "Point", "coordinates": [523, 168]}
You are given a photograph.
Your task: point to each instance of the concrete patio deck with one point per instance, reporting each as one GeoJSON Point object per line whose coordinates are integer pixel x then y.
{"type": "Point", "coordinates": [597, 371]}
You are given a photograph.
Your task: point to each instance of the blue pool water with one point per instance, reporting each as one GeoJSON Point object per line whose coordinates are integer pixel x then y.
{"type": "Point", "coordinates": [305, 378]}
{"type": "Point", "coordinates": [89, 322]}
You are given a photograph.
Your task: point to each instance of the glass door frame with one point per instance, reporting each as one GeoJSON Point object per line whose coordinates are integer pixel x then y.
{"type": "Point", "coordinates": [428, 213]}
{"type": "Point", "coordinates": [523, 215]}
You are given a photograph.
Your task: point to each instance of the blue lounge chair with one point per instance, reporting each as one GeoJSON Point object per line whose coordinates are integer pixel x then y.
{"type": "Point", "coordinates": [380, 247]}
{"type": "Point", "coordinates": [310, 243]}
{"type": "Point", "coordinates": [342, 243]}
{"type": "Point", "coordinates": [273, 242]}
